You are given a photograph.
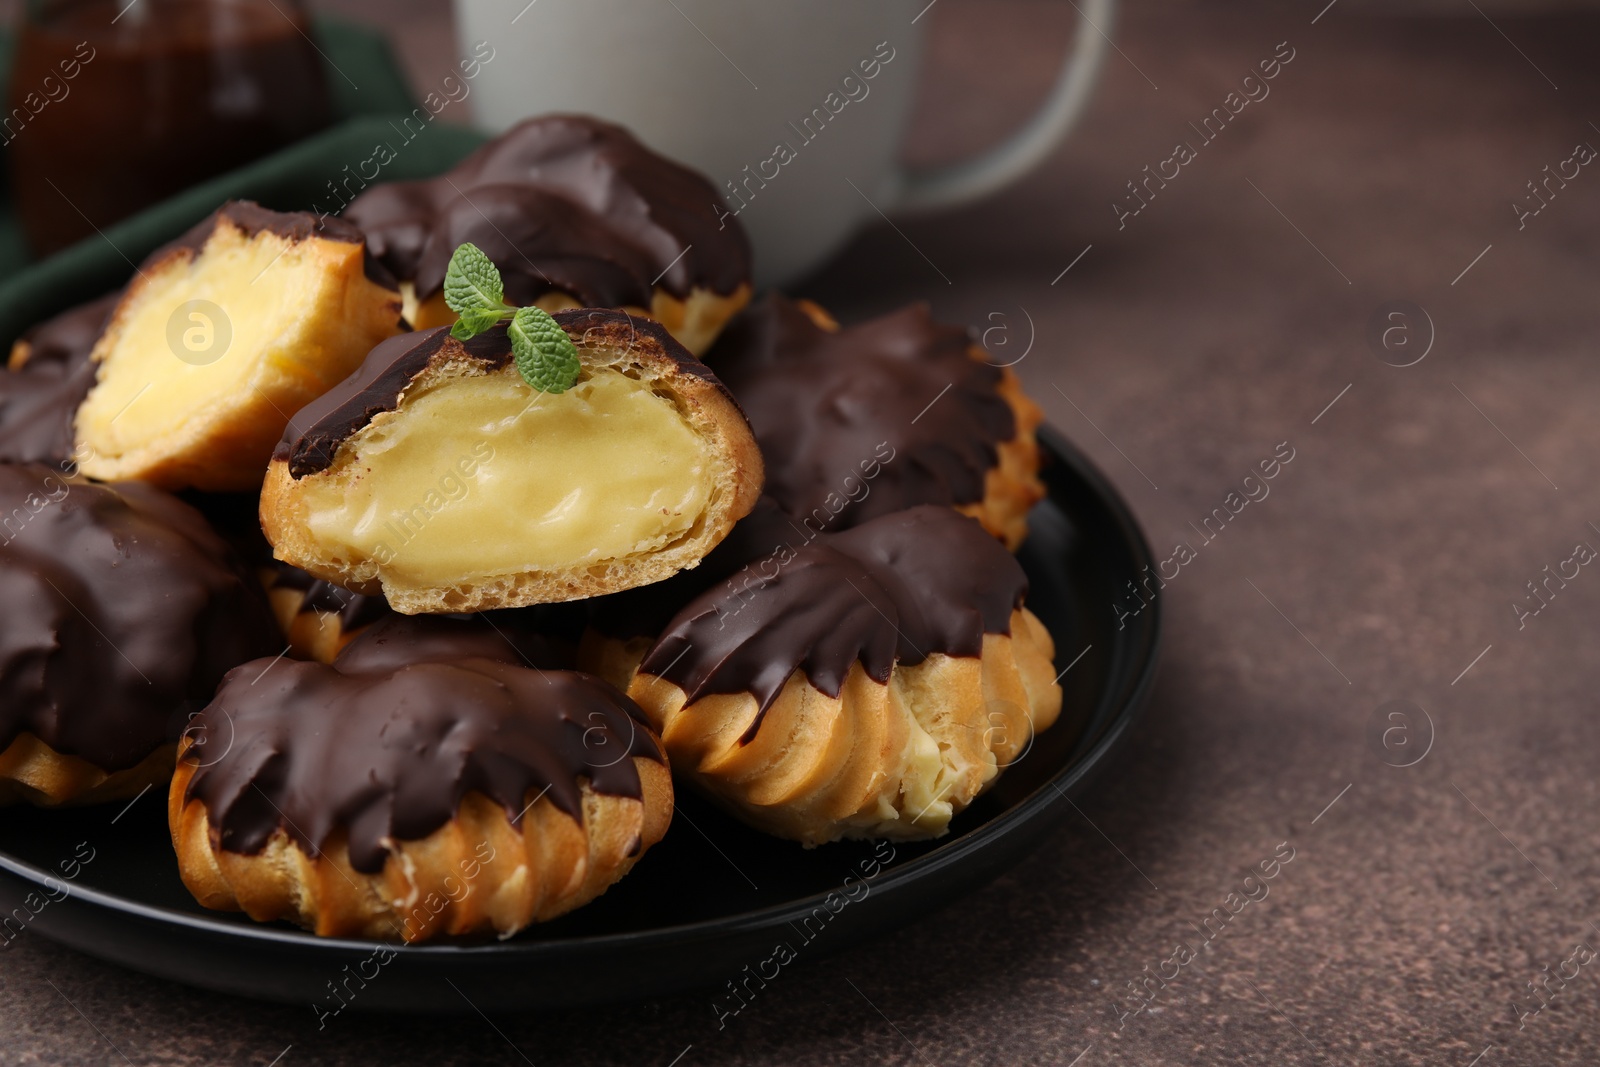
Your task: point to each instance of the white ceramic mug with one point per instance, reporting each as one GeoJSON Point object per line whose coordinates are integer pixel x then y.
{"type": "Point", "coordinates": [793, 108]}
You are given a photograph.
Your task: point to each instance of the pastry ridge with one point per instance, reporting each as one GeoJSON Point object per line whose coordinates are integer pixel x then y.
{"type": "Point", "coordinates": [1011, 487]}
{"type": "Point", "coordinates": [504, 878]}
{"type": "Point", "coordinates": [694, 320]}
{"type": "Point", "coordinates": [31, 772]}
{"type": "Point", "coordinates": [895, 760]}
{"type": "Point", "coordinates": [870, 683]}
{"type": "Point", "coordinates": [432, 787]}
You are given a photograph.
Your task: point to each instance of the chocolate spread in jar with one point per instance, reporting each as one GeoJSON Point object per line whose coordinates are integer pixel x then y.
{"type": "Point", "coordinates": [114, 105]}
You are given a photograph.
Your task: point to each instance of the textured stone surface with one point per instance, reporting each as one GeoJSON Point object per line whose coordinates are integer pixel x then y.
{"type": "Point", "coordinates": [1207, 331]}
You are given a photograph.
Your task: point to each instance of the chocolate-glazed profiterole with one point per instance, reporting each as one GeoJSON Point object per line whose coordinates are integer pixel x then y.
{"type": "Point", "coordinates": [873, 418]}
{"type": "Point", "coordinates": [437, 476]}
{"type": "Point", "coordinates": [575, 213]}
{"type": "Point", "coordinates": [410, 802]}
{"type": "Point", "coordinates": [869, 683]}
{"type": "Point", "coordinates": [122, 610]}
{"type": "Point", "coordinates": [318, 617]}
{"type": "Point", "coordinates": [223, 333]}
{"type": "Point", "coordinates": [47, 377]}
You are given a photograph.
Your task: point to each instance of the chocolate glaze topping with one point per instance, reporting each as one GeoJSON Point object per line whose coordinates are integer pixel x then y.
{"type": "Point", "coordinates": [122, 610]}
{"type": "Point", "coordinates": [561, 203]}
{"type": "Point", "coordinates": [645, 610]}
{"type": "Point", "coordinates": [292, 226]}
{"type": "Point", "coordinates": [893, 590]}
{"type": "Point", "coordinates": [396, 640]}
{"type": "Point", "coordinates": [313, 436]}
{"type": "Point", "coordinates": [39, 400]}
{"type": "Point", "coordinates": [852, 423]}
{"type": "Point", "coordinates": [388, 756]}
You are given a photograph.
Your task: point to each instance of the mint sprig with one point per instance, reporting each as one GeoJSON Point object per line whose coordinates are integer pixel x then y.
{"type": "Point", "coordinates": [472, 283]}
{"type": "Point", "coordinates": [545, 356]}
{"type": "Point", "coordinates": [474, 321]}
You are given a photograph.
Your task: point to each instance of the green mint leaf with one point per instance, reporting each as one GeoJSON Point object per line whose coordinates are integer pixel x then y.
{"type": "Point", "coordinates": [472, 284]}
{"type": "Point", "coordinates": [474, 321]}
{"type": "Point", "coordinates": [546, 357]}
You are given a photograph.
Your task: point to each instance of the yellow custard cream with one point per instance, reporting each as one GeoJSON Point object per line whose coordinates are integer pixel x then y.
{"type": "Point", "coordinates": [198, 333]}
{"type": "Point", "coordinates": [483, 476]}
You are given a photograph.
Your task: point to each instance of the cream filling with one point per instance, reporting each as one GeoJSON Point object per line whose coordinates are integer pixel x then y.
{"type": "Point", "coordinates": [925, 793]}
{"type": "Point", "coordinates": [196, 333]}
{"type": "Point", "coordinates": [479, 477]}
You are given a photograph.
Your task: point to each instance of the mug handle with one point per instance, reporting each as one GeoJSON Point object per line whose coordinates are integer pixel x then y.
{"type": "Point", "coordinates": [925, 188]}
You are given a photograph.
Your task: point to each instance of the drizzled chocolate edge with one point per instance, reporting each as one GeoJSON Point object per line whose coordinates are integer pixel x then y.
{"type": "Point", "coordinates": [821, 400]}
{"type": "Point", "coordinates": [293, 226]}
{"type": "Point", "coordinates": [39, 399]}
{"type": "Point", "coordinates": [312, 439]}
{"type": "Point", "coordinates": [68, 338]}
{"type": "Point", "coordinates": [123, 608]}
{"type": "Point", "coordinates": [315, 750]}
{"type": "Point", "coordinates": [893, 590]}
{"type": "Point", "coordinates": [596, 205]}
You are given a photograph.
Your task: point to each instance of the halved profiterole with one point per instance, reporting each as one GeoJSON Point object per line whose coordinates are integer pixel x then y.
{"type": "Point", "coordinates": [512, 459]}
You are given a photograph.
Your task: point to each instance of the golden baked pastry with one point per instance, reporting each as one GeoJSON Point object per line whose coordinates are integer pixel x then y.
{"type": "Point", "coordinates": [222, 335]}
{"type": "Point", "coordinates": [31, 772]}
{"type": "Point", "coordinates": [409, 802]}
{"type": "Point", "coordinates": [576, 213]}
{"type": "Point", "coordinates": [437, 477]}
{"type": "Point", "coordinates": [884, 415]}
{"type": "Point", "coordinates": [122, 608]}
{"type": "Point", "coordinates": [318, 617]}
{"type": "Point", "coordinates": [864, 684]}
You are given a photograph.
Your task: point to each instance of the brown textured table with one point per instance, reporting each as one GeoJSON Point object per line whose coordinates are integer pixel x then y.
{"type": "Point", "coordinates": [1227, 317]}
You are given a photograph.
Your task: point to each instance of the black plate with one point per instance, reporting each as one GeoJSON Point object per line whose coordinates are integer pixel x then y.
{"type": "Point", "coordinates": [711, 899]}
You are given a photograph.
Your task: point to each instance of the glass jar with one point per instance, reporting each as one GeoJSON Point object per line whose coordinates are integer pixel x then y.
{"type": "Point", "coordinates": [116, 104]}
